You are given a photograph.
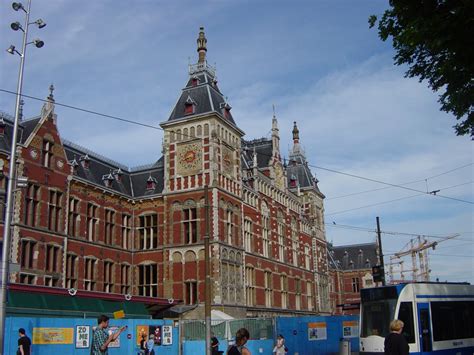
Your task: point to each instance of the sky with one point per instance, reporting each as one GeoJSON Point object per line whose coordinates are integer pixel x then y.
{"type": "Point", "coordinates": [316, 61]}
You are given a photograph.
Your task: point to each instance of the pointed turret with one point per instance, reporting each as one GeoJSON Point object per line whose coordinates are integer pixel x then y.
{"type": "Point", "coordinates": [202, 96]}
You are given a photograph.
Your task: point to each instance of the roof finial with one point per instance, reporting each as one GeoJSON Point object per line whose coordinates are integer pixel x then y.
{"type": "Point", "coordinates": [296, 133]}
{"type": "Point", "coordinates": [274, 115]}
{"type": "Point", "coordinates": [51, 90]}
{"type": "Point", "coordinates": [201, 45]}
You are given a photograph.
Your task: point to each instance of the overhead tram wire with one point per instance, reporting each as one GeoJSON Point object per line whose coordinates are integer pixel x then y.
{"type": "Point", "coordinates": [394, 200]}
{"type": "Point", "coordinates": [405, 183]}
{"type": "Point", "coordinates": [161, 129]}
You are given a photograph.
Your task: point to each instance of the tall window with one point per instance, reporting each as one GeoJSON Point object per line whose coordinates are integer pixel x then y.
{"type": "Point", "coordinates": [55, 210]}
{"type": "Point", "coordinates": [92, 221]}
{"type": "Point", "coordinates": [71, 271]}
{"type": "Point", "coordinates": [32, 205]}
{"type": "Point", "coordinates": [27, 254]}
{"type": "Point", "coordinates": [281, 236]}
{"type": "Point", "coordinates": [284, 291]}
{"type": "Point", "coordinates": [126, 231]}
{"type": "Point", "coordinates": [52, 258]}
{"type": "Point", "coordinates": [248, 235]}
{"type": "Point", "coordinates": [148, 231]}
{"type": "Point", "coordinates": [355, 284]}
{"type": "Point", "coordinates": [108, 276]}
{"type": "Point", "coordinates": [266, 230]}
{"type": "Point", "coordinates": [109, 227]}
{"type": "Point", "coordinates": [229, 226]}
{"type": "Point", "coordinates": [47, 153]}
{"type": "Point", "coordinates": [89, 269]}
{"type": "Point", "coordinates": [298, 294]}
{"type": "Point", "coordinates": [294, 241]}
{"type": "Point", "coordinates": [250, 290]}
{"type": "Point", "coordinates": [3, 197]}
{"type": "Point", "coordinates": [73, 218]}
{"type": "Point", "coordinates": [190, 225]}
{"type": "Point", "coordinates": [268, 289]}
{"type": "Point", "coordinates": [125, 279]}
{"type": "Point", "coordinates": [309, 293]}
{"type": "Point", "coordinates": [191, 292]}
{"type": "Point", "coordinates": [307, 257]}
{"type": "Point", "coordinates": [148, 280]}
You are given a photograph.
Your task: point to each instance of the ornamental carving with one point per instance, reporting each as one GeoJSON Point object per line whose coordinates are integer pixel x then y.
{"type": "Point", "coordinates": [189, 158]}
{"type": "Point", "coordinates": [37, 142]}
{"type": "Point", "coordinates": [228, 161]}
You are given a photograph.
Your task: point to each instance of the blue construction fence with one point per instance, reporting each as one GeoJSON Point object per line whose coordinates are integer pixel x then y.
{"type": "Point", "coordinates": [74, 335]}
{"type": "Point", "coordinates": [303, 336]}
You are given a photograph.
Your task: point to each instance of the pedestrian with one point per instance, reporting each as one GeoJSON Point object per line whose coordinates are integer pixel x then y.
{"type": "Point", "coordinates": [280, 348]}
{"type": "Point", "coordinates": [143, 344]}
{"type": "Point", "coordinates": [150, 344]}
{"type": "Point", "coordinates": [24, 343]}
{"type": "Point", "coordinates": [215, 346]}
{"type": "Point", "coordinates": [239, 348]}
{"type": "Point", "coordinates": [395, 343]}
{"type": "Point", "coordinates": [101, 338]}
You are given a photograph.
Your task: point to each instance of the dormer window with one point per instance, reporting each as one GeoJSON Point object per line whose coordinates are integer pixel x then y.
{"type": "Point", "coordinates": [293, 180]}
{"type": "Point", "coordinates": [85, 161]}
{"type": "Point", "coordinates": [195, 81]}
{"type": "Point", "coordinates": [225, 107]}
{"type": "Point", "coordinates": [151, 183]}
{"type": "Point", "coordinates": [2, 127]}
{"type": "Point", "coordinates": [189, 106]}
{"type": "Point", "coordinates": [74, 164]}
{"type": "Point", "coordinates": [108, 180]}
{"type": "Point", "coordinates": [118, 174]}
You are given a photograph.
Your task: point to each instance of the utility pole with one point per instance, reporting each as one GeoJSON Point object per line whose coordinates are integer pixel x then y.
{"type": "Point", "coordinates": [207, 305]}
{"type": "Point", "coordinates": [379, 237]}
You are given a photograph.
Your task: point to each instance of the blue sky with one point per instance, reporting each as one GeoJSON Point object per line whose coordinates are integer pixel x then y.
{"type": "Point", "coordinates": [316, 61]}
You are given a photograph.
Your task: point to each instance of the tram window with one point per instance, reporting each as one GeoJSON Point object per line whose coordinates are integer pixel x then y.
{"type": "Point", "coordinates": [376, 317]}
{"type": "Point", "coordinates": [405, 314]}
{"type": "Point", "coordinates": [452, 320]}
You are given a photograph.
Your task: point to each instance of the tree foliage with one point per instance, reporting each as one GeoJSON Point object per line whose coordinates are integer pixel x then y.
{"type": "Point", "coordinates": [435, 38]}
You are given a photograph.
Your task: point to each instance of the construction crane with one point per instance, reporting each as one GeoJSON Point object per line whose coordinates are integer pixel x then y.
{"type": "Point", "coordinates": [417, 247]}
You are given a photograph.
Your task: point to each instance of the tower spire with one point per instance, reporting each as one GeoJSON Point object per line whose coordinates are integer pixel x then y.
{"type": "Point", "coordinates": [202, 45]}
{"type": "Point", "coordinates": [296, 133]}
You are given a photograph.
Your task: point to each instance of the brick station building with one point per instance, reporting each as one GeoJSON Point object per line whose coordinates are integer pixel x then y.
{"type": "Point", "coordinates": [87, 223]}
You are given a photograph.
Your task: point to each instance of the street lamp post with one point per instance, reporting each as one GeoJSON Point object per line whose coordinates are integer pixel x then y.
{"type": "Point", "coordinates": [12, 165]}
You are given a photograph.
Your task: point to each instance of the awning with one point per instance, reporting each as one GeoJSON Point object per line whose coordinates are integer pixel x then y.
{"type": "Point", "coordinates": [27, 300]}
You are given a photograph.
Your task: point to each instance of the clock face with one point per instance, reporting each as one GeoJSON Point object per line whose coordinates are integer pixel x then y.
{"type": "Point", "coordinates": [189, 158]}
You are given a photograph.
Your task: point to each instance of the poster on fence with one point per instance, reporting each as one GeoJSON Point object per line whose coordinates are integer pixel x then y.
{"type": "Point", "coordinates": [317, 331]}
{"type": "Point", "coordinates": [167, 335]}
{"type": "Point", "coordinates": [53, 335]}
{"type": "Point", "coordinates": [116, 342]}
{"type": "Point", "coordinates": [350, 329]}
{"type": "Point", "coordinates": [144, 332]}
{"type": "Point", "coordinates": [83, 333]}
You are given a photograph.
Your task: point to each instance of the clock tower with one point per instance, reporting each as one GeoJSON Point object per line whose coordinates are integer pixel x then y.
{"type": "Point", "coordinates": [201, 141]}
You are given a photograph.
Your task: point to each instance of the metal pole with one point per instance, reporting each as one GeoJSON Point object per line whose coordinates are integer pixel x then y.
{"type": "Point", "coordinates": [11, 186]}
{"type": "Point", "coordinates": [380, 251]}
{"type": "Point", "coordinates": [207, 306]}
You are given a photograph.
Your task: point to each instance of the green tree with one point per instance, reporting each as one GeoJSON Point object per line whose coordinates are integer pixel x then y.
{"type": "Point", "coordinates": [435, 38]}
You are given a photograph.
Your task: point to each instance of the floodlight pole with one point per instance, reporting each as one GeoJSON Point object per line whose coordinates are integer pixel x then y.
{"type": "Point", "coordinates": [11, 186]}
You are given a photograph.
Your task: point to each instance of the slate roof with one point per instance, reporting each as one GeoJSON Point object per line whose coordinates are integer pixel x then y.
{"type": "Point", "coordinates": [132, 182]}
{"type": "Point", "coordinates": [205, 94]}
{"type": "Point", "coordinates": [353, 257]}
{"type": "Point", "coordinates": [25, 127]}
{"type": "Point", "coordinates": [263, 148]}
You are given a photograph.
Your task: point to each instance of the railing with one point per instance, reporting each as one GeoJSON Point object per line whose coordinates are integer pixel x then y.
{"type": "Point", "coordinates": [198, 67]}
{"type": "Point", "coordinates": [259, 328]}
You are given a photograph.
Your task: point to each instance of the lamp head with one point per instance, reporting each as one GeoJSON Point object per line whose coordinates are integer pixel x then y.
{"type": "Point", "coordinates": [16, 26]}
{"type": "Point", "coordinates": [40, 23]}
{"type": "Point", "coordinates": [11, 49]}
{"type": "Point", "coordinates": [38, 43]}
{"type": "Point", "coordinates": [17, 6]}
